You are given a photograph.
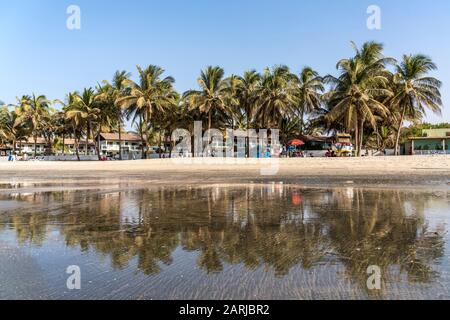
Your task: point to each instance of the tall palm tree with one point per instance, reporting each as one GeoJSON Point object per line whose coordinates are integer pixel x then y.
{"type": "Point", "coordinates": [48, 131]}
{"type": "Point", "coordinates": [210, 99]}
{"type": "Point", "coordinates": [247, 94]}
{"type": "Point", "coordinates": [34, 111]}
{"type": "Point", "coordinates": [249, 86]}
{"type": "Point", "coordinates": [63, 128]}
{"type": "Point", "coordinates": [232, 103]}
{"type": "Point", "coordinates": [146, 99]}
{"type": "Point", "coordinates": [11, 130]}
{"type": "Point", "coordinates": [357, 94]}
{"type": "Point", "coordinates": [109, 94]}
{"type": "Point", "coordinates": [84, 109]}
{"type": "Point", "coordinates": [75, 119]}
{"type": "Point", "coordinates": [309, 88]}
{"type": "Point", "coordinates": [276, 96]}
{"type": "Point", "coordinates": [415, 90]}
{"type": "Point", "coordinates": [85, 106]}
{"type": "Point", "coordinates": [289, 128]}
{"type": "Point", "coordinates": [107, 120]}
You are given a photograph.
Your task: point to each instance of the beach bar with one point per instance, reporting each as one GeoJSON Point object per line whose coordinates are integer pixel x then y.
{"type": "Point", "coordinates": [432, 141]}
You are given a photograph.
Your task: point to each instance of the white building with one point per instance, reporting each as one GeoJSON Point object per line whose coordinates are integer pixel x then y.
{"type": "Point", "coordinates": [70, 147]}
{"type": "Point", "coordinates": [131, 145]}
{"type": "Point", "coordinates": [28, 146]}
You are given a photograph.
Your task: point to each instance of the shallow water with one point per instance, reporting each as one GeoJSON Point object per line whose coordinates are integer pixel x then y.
{"type": "Point", "coordinates": [271, 241]}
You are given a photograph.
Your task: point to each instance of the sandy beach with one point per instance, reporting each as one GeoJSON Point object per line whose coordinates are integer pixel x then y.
{"type": "Point", "coordinates": [415, 170]}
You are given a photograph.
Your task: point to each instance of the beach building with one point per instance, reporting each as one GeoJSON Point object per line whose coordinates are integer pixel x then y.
{"type": "Point", "coordinates": [317, 143]}
{"type": "Point", "coordinates": [131, 145]}
{"type": "Point", "coordinates": [5, 150]}
{"type": "Point", "coordinates": [432, 141]}
{"type": "Point", "coordinates": [70, 147]}
{"type": "Point", "coordinates": [28, 146]}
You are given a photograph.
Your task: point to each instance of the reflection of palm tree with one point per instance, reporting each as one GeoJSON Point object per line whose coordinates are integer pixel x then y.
{"type": "Point", "coordinates": [378, 232]}
{"type": "Point", "coordinates": [252, 226]}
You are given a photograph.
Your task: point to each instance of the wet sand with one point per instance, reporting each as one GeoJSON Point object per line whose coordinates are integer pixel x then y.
{"type": "Point", "coordinates": [401, 171]}
{"type": "Point", "coordinates": [158, 229]}
{"type": "Point", "coordinates": [253, 242]}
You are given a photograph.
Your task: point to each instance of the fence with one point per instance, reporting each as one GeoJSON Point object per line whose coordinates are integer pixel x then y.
{"type": "Point", "coordinates": [430, 152]}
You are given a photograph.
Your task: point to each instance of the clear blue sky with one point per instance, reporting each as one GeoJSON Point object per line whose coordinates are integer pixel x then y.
{"type": "Point", "coordinates": [39, 54]}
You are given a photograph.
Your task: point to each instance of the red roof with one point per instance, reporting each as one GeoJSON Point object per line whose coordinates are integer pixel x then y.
{"type": "Point", "coordinates": [39, 140]}
{"type": "Point", "coordinates": [125, 137]}
{"type": "Point", "coordinates": [82, 142]}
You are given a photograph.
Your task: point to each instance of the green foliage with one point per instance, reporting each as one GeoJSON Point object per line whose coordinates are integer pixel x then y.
{"type": "Point", "coordinates": [371, 98]}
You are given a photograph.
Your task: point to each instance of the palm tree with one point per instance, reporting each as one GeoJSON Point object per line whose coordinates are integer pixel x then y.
{"type": "Point", "coordinates": [210, 99]}
{"type": "Point", "coordinates": [232, 103]}
{"type": "Point", "coordinates": [109, 94]}
{"type": "Point", "coordinates": [84, 109]}
{"type": "Point", "coordinates": [48, 131]}
{"type": "Point", "coordinates": [309, 89]}
{"type": "Point", "coordinates": [75, 119]}
{"type": "Point", "coordinates": [288, 129]}
{"type": "Point", "coordinates": [10, 129]}
{"type": "Point", "coordinates": [33, 111]}
{"type": "Point", "coordinates": [250, 84]}
{"type": "Point", "coordinates": [63, 128]}
{"type": "Point", "coordinates": [415, 91]}
{"type": "Point", "coordinates": [104, 96]}
{"type": "Point", "coordinates": [385, 137]}
{"type": "Point", "coordinates": [247, 94]}
{"type": "Point", "coordinates": [357, 93]}
{"type": "Point", "coordinates": [153, 95]}
{"type": "Point", "coordinates": [276, 96]}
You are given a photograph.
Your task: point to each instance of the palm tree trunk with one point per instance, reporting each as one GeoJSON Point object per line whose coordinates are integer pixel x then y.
{"type": "Point", "coordinates": [88, 131]}
{"type": "Point", "coordinates": [98, 143]}
{"type": "Point", "coordinates": [171, 147]}
{"type": "Point", "coordinates": [209, 119]}
{"type": "Point", "coordinates": [357, 139]}
{"type": "Point", "coordinates": [399, 129]}
{"type": "Point", "coordinates": [247, 139]}
{"type": "Point", "coordinates": [35, 146]}
{"type": "Point", "coordinates": [361, 137]}
{"type": "Point", "coordinates": [77, 152]}
{"type": "Point", "coordinates": [63, 144]}
{"type": "Point", "coordinates": [302, 121]}
{"type": "Point", "coordinates": [120, 140]}
{"type": "Point", "coordinates": [141, 133]}
{"type": "Point", "coordinates": [378, 140]}
{"type": "Point", "coordinates": [159, 147]}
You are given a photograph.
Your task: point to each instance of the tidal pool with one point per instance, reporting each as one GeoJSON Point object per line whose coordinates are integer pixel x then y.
{"type": "Point", "coordinates": [268, 241]}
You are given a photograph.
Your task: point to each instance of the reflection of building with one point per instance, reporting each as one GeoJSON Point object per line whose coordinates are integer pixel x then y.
{"type": "Point", "coordinates": [432, 141]}
{"type": "Point", "coordinates": [131, 145]}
